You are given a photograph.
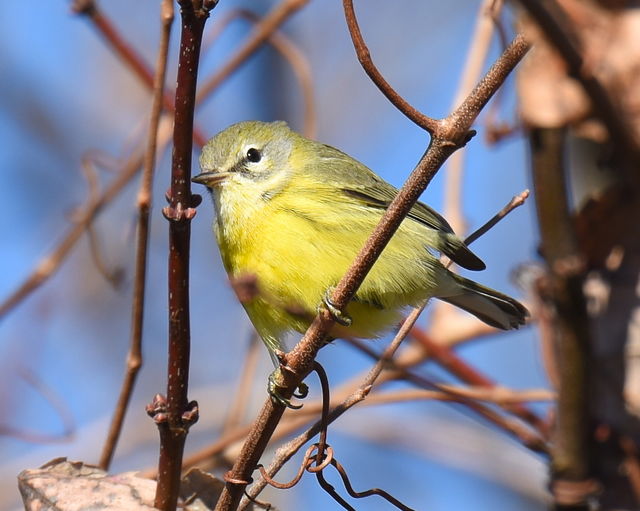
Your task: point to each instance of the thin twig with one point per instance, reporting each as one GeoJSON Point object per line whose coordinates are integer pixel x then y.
{"type": "Point", "coordinates": [128, 54]}
{"type": "Point", "coordinates": [452, 133]}
{"type": "Point", "coordinates": [134, 358]}
{"type": "Point", "coordinates": [496, 395]}
{"type": "Point", "coordinates": [261, 32]}
{"type": "Point", "coordinates": [241, 396]}
{"type": "Point", "coordinates": [114, 277]}
{"type": "Point", "coordinates": [515, 202]}
{"type": "Point", "coordinates": [56, 402]}
{"type": "Point", "coordinates": [291, 53]}
{"type": "Point", "coordinates": [479, 46]}
{"type": "Point", "coordinates": [180, 414]}
{"type": "Point", "coordinates": [364, 56]}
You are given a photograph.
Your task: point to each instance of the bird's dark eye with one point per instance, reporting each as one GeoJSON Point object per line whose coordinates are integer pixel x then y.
{"type": "Point", "coordinates": [253, 155]}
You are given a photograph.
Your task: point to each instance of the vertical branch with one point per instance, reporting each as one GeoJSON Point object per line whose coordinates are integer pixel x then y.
{"type": "Point", "coordinates": [134, 358]}
{"type": "Point", "coordinates": [570, 457]}
{"type": "Point", "coordinates": [180, 414]}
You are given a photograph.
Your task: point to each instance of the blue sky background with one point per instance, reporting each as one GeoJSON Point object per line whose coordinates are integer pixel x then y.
{"type": "Point", "coordinates": [63, 93]}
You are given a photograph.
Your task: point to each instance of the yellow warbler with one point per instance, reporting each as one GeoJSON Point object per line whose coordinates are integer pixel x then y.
{"type": "Point", "coordinates": [293, 213]}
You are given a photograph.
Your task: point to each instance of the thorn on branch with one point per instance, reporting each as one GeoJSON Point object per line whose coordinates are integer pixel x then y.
{"type": "Point", "coordinates": [191, 415]}
{"type": "Point", "coordinates": [157, 409]}
{"type": "Point", "coordinates": [178, 212]}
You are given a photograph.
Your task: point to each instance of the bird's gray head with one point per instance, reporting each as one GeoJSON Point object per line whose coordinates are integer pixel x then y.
{"type": "Point", "coordinates": [249, 153]}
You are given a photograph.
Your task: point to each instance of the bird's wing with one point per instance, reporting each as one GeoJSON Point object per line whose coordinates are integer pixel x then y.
{"type": "Point", "coordinates": [359, 183]}
{"type": "Point", "coordinates": [362, 184]}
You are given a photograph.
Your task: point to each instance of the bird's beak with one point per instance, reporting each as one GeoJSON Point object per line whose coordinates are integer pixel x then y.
{"type": "Point", "coordinates": [210, 178]}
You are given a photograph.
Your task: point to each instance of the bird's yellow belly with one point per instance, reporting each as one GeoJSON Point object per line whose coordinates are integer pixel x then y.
{"type": "Point", "coordinates": [295, 258]}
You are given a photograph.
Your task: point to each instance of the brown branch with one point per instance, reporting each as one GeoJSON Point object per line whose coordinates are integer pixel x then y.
{"type": "Point", "coordinates": [241, 396]}
{"type": "Point", "coordinates": [446, 358]}
{"type": "Point", "coordinates": [354, 398]}
{"type": "Point", "coordinates": [515, 202]}
{"type": "Point", "coordinates": [364, 56]}
{"type": "Point", "coordinates": [127, 54]}
{"type": "Point", "coordinates": [261, 32]}
{"type": "Point", "coordinates": [293, 55]}
{"type": "Point", "coordinates": [570, 456]}
{"type": "Point", "coordinates": [476, 56]}
{"type": "Point", "coordinates": [452, 133]}
{"type": "Point", "coordinates": [496, 395]}
{"type": "Point", "coordinates": [134, 358]}
{"type": "Point", "coordinates": [180, 414]}
{"type": "Point", "coordinates": [553, 21]}
{"type": "Point", "coordinates": [50, 264]}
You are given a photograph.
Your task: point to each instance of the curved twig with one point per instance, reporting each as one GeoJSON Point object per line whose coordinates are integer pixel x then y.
{"type": "Point", "coordinates": [364, 56]}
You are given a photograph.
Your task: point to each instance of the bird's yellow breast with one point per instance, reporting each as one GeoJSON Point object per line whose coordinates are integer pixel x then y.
{"type": "Point", "coordinates": [300, 241]}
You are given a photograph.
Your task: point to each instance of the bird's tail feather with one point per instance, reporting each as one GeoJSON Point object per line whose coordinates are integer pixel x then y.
{"type": "Point", "coordinates": [492, 307]}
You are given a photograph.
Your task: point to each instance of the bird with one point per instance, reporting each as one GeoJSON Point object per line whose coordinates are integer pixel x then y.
{"type": "Point", "coordinates": [291, 214]}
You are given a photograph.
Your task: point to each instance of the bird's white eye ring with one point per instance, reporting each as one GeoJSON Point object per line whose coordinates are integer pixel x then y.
{"type": "Point", "coordinates": [253, 155]}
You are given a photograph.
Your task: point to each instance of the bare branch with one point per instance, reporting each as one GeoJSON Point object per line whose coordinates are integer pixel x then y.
{"type": "Point", "coordinates": [134, 358]}
{"type": "Point", "coordinates": [364, 56]}
{"type": "Point", "coordinates": [261, 32]}
{"type": "Point", "coordinates": [174, 422]}
{"type": "Point", "coordinates": [291, 53]}
{"type": "Point", "coordinates": [476, 57]}
{"type": "Point", "coordinates": [128, 54]}
{"type": "Point", "coordinates": [571, 461]}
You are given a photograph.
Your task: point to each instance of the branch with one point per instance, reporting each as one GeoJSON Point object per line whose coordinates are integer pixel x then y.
{"type": "Point", "coordinates": [134, 358]}
{"type": "Point", "coordinates": [476, 57]}
{"type": "Point", "coordinates": [261, 32]}
{"type": "Point", "coordinates": [180, 414]}
{"type": "Point", "coordinates": [552, 19]}
{"type": "Point", "coordinates": [292, 54]}
{"type": "Point", "coordinates": [570, 457]}
{"type": "Point", "coordinates": [364, 56]}
{"type": "Point", "coordinates": [127, 54]}
{"type": "Point", "coordinates": [452, 132]}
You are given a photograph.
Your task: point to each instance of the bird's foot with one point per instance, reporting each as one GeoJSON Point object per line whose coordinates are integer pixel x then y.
{"type": "Point", "coordinates": [341, 317]}
{"type": "Point", "coordinates": [274, 388]}
{"type": "Point", "coordinates": [278, 382]}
